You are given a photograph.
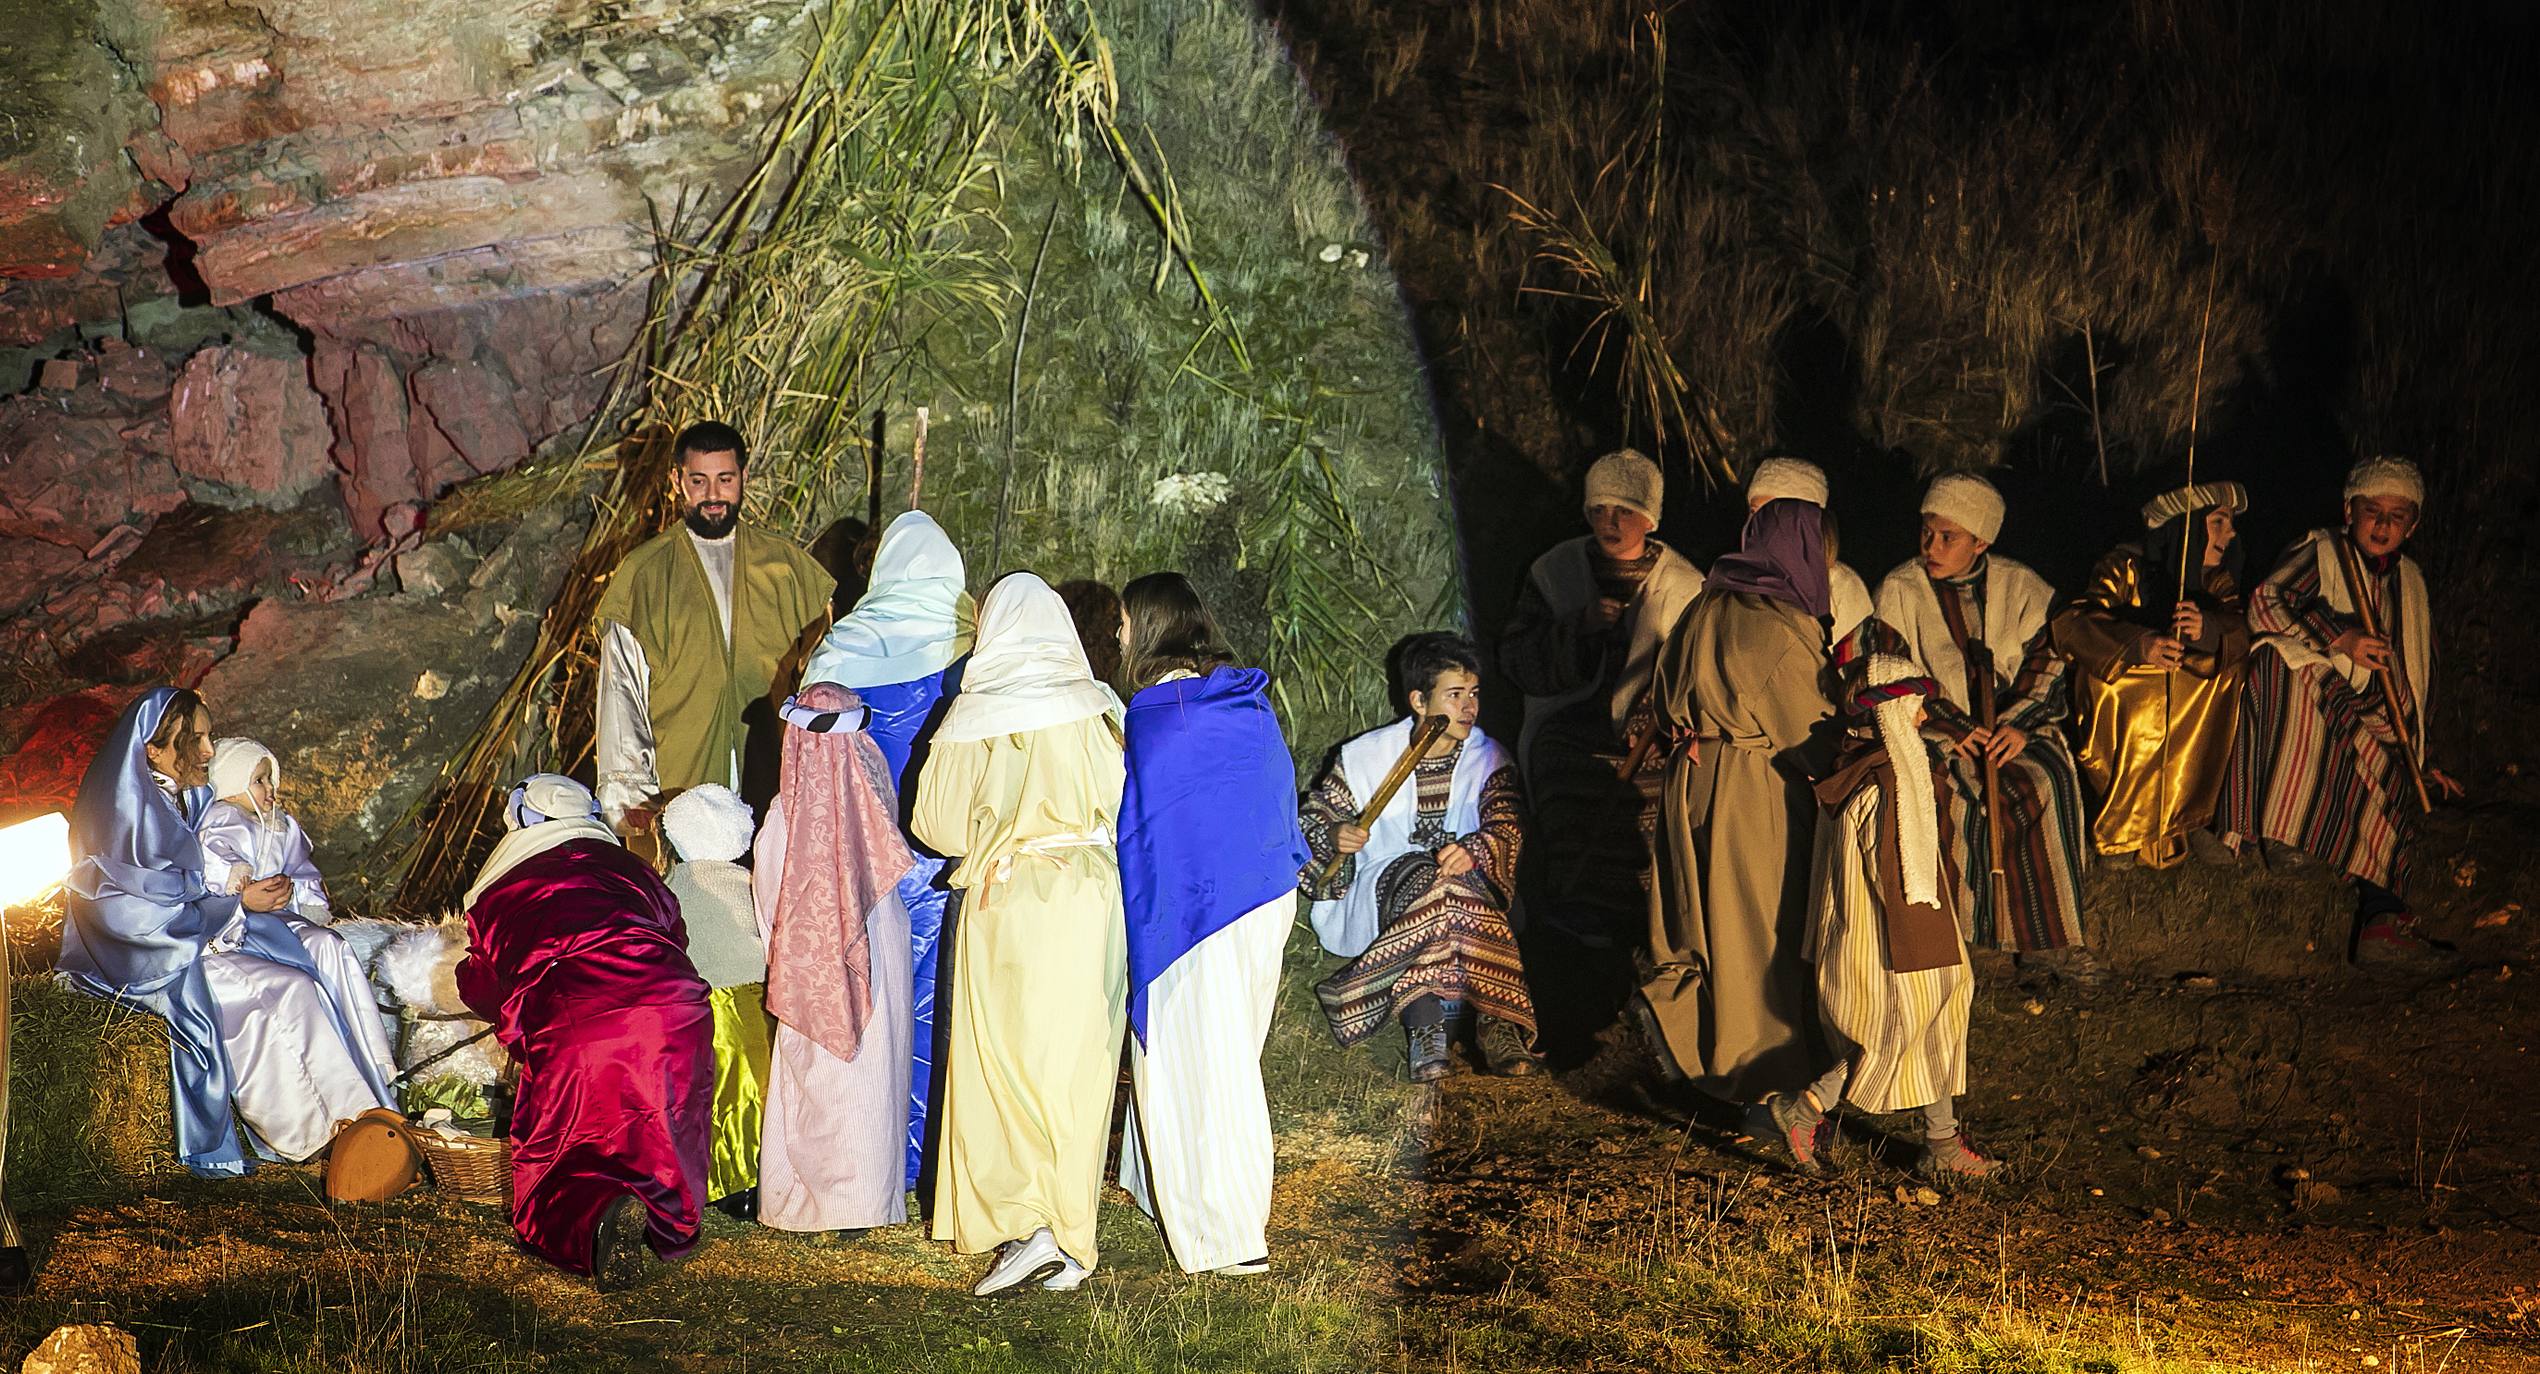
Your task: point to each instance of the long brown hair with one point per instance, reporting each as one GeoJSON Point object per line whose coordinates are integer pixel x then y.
{"type": "Point", "coordinates": [1170, 629]}
{"type": "Point", "coordinates": [1095, 608]}
{"type": "Point", "coordinates": [178, 725]}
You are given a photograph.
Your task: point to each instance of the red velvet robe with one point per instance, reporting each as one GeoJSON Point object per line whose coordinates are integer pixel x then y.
{"type": "Point", "coordinates": [578, 958]}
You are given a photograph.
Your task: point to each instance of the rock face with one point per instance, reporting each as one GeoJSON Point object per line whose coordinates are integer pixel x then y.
{"type": "Point", "coordinates": [287, 256]}
{"type": "Point", "coordinates": [337, 689]}
{"type": "Point", "coordinates": [454, 200]}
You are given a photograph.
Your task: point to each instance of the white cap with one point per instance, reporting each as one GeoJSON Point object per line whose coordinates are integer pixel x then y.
{"type": "Point", "coordinates": [708, 821]}
{"type": "Point", "coordinates": [1786, 479]}
{"type": "Point", "coordinates": [2386, 477]}
{"type": "Point", "coordinates": [1626, 478]}
{"type": "Point", "coordinates": [1966, 500]}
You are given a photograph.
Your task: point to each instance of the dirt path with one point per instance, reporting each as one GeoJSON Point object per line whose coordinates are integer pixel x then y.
{"type": "Point", "coordinates": [2239, 1153]}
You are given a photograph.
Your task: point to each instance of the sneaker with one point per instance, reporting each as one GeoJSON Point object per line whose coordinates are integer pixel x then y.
{"type": "Point", "coordinates": [1429, 1058]}
{"type": "Point", "coordinates": [1952, 1157]}
{"type": "Point", "coordinates": [1798, 1125]}
{"type": "Point", "coordinates": [1070, 1276]}
{"type": "Point", "coordinates": [1244, 1270]}
{"type": "Point", "coordinates": [617, 1246]}
{"type": "Point", "coordinates": [2394, 946]}
{"type": "Point", "coordinates": [1505, 1050]}
{"type": "Point", "coordinates": [1020, 1261]}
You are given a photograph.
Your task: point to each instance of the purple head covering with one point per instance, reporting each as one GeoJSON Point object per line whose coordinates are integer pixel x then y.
{"type": "Point", "coordinates": [1782, 555]}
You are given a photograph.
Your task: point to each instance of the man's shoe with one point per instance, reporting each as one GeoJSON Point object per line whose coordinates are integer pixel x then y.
{"type": "Point", "coordinates": [1429, 1058]}
{"type": "Point", "coordinates": [1951, 1157]}
{"type": "Point", "coordinates": [1243, 1270]}
{"type": "Point", "coordinates": [1505, 1050]}
{"type": "Point", "coordinates": [1796, 1124]}
{"type": "Point", "coordinates": [617, 1246]}
{"type": "Point", "coordinates": [1070, 1276]}
{"type": "Point", "coordinates": [2073, 964]}
{"type": "Point", "coordinates": [2395, 947]}
{"type": "Point", "coordinates": [2206, 847]}
{"type": "Point", "coordinates": [1037, 1256]}
{"type": "Point", "coordinates": [2288, 858]}
{"type": "Point", "coordinates": [740, 1206]}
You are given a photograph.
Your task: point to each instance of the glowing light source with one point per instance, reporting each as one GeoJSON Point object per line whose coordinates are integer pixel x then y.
{"type": "Point", "coordinates": [34, 856]}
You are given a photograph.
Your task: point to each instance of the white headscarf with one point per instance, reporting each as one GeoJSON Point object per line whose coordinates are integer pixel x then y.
{"type": "Point", "coordinates": [234, 763]}
{"type": "Point", "coordinates": [1626, 478]}
{"type": "Point", "coordinates": [546, 810]}
{"type": "Point", "coordinates": [1917, 825]}
{"type": "Point", "coordinates": [1028, 671]}
{"type": "Point", "coordinates": [913, 620]}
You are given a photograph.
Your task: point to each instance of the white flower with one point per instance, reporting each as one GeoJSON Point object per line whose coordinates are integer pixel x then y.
{"type": "Point", "coordinates": [1190, 493]}
{"type": "Point", "coordinates": [1332, 252]}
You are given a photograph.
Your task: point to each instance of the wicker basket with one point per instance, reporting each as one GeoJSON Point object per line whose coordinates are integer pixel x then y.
{"type": "Point", "coordinates": [471, 1168]}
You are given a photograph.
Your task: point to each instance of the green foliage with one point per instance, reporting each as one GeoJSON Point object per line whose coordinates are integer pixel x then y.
{"type": "Point", "coordinates": [1113, 256]}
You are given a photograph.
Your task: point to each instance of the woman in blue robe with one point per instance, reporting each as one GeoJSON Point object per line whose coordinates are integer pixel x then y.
{"type": "Point", "coordinates": [1209, 852]}
{"type": "Point", "coordinates": [269, 1017]}
{"type": "Point", "coordinates": [900, 649]}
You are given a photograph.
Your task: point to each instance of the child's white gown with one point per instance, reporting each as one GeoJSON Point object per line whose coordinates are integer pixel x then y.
{"type": "Point", "coordinates": [293, 1078]}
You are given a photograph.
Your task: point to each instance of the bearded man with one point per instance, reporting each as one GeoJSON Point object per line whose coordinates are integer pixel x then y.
{"type": "Point", "coordinates": [693, 627]}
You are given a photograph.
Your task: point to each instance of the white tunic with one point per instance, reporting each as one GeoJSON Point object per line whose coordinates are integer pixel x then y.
{"type": "Point", "coordinates": [1196, 1152]}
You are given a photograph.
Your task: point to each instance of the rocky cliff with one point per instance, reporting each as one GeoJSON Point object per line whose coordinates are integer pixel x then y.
{"type": "Point", "coordinates": [339, 255]}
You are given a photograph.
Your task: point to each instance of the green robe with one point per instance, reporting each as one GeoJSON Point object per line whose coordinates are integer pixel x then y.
{"type": "Point", "coordinates": [698, 684]}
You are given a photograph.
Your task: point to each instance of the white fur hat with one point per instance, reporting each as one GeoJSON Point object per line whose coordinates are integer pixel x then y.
{"type": "Point", "coordinates": [708, 822]}
{"type": "Point", "coordinates": [1786, 479]}
{"type": "Point", "coordinates": [1626, 478]}
{"type": "Point", "coordinates": [1966, 500]}
{"type": "Point", "coordinates": [2386, 477]}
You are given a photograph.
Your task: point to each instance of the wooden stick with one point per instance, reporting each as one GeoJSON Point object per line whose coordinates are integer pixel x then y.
{"type": "Point", "coordinates": [1422, 737]}
{"type": "Point", "coordinates": [2389, 692]}
{"type": "Point", "coordinates": [1647, 741]}
{"type": "Point", "coordinates": [1992, 775]}
{"type": "Point", "coordinates": [917, 460]}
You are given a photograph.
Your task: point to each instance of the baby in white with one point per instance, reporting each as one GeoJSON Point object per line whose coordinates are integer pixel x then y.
{"type": "Point", "coordinates": [246, 836]}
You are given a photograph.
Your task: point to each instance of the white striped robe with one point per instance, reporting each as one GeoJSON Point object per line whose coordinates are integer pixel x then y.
{"type": "Point", "coordinates": [1903, 1035]}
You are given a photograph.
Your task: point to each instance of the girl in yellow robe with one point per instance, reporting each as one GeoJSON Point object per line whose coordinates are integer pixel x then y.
{"type": "Point", "coordinates": [1022, 788]}
{"type": "Point", "coordinates": [2157, 685]}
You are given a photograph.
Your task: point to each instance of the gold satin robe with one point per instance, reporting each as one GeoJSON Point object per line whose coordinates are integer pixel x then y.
{"type": "Point", "coordinates": [2153, 744]}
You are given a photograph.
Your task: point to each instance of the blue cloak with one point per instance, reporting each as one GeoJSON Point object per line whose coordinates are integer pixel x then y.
{"type": "Point", "coordinates": [1208, 820]}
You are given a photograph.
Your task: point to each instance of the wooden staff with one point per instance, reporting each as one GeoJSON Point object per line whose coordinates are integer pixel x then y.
{"type": "Point", "coordinates": [917, 460]}
{"type": "Point", "coordinates": [2389, 689]}
{"type": "Point", "coordinates": [1983, 655]}
{"type": "Point", "coordinates": [1647, 741]}
{"type": "Point", "coordinates": [1424, 735]}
